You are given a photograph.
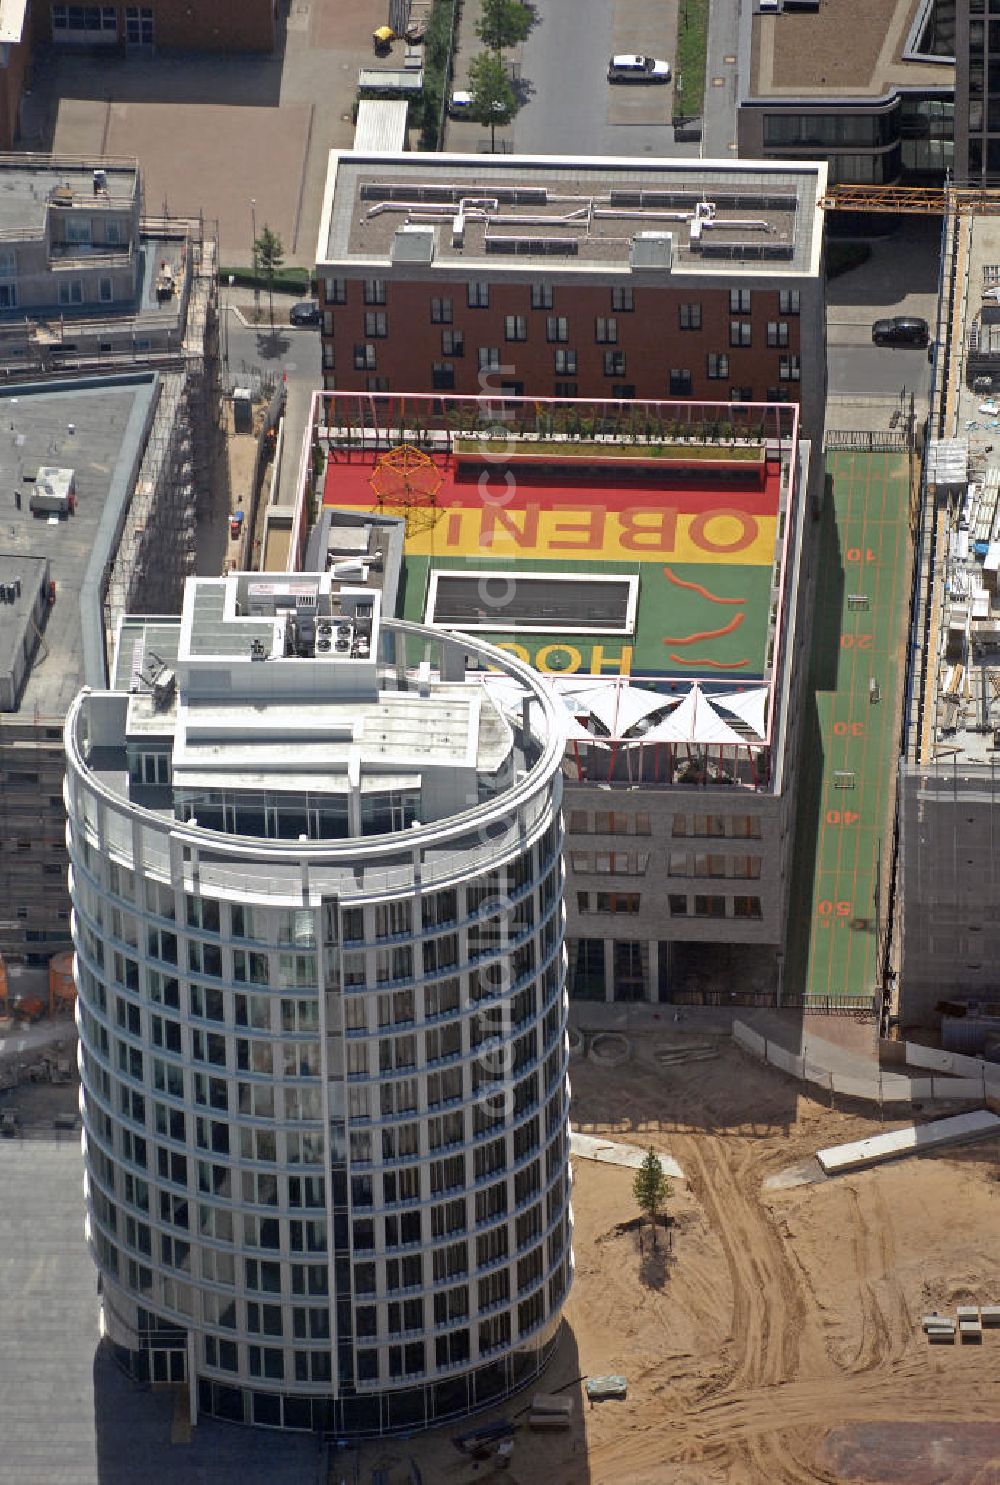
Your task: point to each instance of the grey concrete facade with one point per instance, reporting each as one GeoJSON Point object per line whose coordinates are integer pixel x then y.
{"type": "Point", "coordinates": [69, 234]}
{"type": "Point", "coordinates": [694, 881]}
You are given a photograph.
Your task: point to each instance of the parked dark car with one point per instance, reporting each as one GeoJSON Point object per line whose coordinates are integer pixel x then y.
{"type": "Point", "coordinates": [901, 330]}
{"type": "Point", "coordinates": [306, 313]}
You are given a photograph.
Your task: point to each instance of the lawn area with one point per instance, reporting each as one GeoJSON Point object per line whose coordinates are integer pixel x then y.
{"type": "Point", "coordinates": [689, 64]}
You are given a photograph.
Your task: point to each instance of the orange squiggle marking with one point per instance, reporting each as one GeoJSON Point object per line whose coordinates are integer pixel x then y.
{"type": "Point", "coordinates": [697, 588]}
{"type": "Point", "coordinates": [670, 639]}
{"type": "Point", "coordinates": [716, 664]}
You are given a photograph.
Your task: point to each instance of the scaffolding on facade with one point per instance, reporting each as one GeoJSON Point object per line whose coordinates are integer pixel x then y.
{"type": "Point", "coordinates": [173, 485]}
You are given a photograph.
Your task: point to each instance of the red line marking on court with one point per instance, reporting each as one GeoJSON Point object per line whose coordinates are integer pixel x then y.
{"type": "Point", "coordinates": [697, 588]}
{"type": "Point", "coordinates": [715, 664]}
{"type": "Point", "coordinates": [692, 639]}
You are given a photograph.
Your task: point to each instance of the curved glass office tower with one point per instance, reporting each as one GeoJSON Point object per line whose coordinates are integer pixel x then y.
{"type": "Point", "coordinates": [318, 921]}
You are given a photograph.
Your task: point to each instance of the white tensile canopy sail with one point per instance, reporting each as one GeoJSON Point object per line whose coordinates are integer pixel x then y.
{"type": "Point", "coordinates": [620, 706]}
{"type": "Point", "coordinates": [695, 721]}
{"type": "Point", "coordinates": [751, 706]}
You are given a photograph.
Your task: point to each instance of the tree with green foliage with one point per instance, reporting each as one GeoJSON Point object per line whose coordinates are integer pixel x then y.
{"type": "Point", "coordinates": [503, 23]}
{"type": "Point", "coordinates": [269, 258]}
{"type": "Point", "coordinates": [651, 1188]}
{"type": "Point", "coordinates": [493, 99]}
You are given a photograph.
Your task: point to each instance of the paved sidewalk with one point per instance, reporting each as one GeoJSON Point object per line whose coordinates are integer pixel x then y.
{"type": "Point", "coordinates": [718, 119]}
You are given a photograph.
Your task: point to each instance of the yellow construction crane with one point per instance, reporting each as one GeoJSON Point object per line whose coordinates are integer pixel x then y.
{"type": "Point", "coordinates": [912, 200]}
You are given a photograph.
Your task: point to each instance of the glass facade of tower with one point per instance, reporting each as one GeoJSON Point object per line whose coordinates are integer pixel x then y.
{"type": "Point", "coordinates": [324, 1080]}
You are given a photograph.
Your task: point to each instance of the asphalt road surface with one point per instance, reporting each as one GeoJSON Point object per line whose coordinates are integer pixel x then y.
{"type": "Point", "coordinates": [877, 371]}
{"type": "Point", "coordinates": [564, 69]}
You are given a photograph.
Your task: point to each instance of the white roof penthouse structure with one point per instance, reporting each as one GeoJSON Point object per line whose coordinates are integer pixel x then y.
{"type": "Point", "coordinates": [318, 921]}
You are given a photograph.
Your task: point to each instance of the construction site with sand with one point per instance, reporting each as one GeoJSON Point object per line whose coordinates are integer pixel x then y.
{"type": "Point", "coordinates": [774, 1334]}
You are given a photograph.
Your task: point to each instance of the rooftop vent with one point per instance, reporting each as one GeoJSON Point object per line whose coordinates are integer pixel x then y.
{"type": "Point", "coordinates": [652, 250]}
{"type": "Point", "coordinates": [413, 245]}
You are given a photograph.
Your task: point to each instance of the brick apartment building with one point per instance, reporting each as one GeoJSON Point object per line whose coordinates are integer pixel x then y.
{"type": "Point", "coordinates": [208, 25]}
{"type": "Point", "coordinates": [553, 277]}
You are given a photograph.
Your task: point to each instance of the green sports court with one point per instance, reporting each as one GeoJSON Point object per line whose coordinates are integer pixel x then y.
{"type": "Point", "coordinates": [850, 737]}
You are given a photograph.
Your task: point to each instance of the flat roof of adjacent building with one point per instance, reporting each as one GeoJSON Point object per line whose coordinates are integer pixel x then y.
{"type": "Point", "coordinates": [96, 427]}
{"type": "Point", "coordinates": [607, 214]}
{"type": "Point", "coordinates": [381, 124]}
{"type": "Point", "coordinates": [851, 49]}
{"type": "Point", "coordinates": [28, 181]}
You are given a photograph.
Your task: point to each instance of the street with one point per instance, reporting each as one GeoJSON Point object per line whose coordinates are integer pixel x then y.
{"type": "Point", "coordinates": [867, 370]}
{"type": "Point", "coordinates": [569, 107]}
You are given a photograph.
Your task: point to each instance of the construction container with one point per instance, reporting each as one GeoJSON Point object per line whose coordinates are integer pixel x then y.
{"type": "Point", "coordinates": [547, 1402]}
{"type": "Point", "coordinates": [62, 986]}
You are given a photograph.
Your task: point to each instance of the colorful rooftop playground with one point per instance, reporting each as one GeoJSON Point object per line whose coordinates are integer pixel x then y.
{"type": "Point", "coordinates": [644, 544]}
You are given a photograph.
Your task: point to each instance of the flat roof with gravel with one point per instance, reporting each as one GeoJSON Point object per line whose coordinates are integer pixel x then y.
{"type": "Point", "coordinates": [859, 49]}
{"type": "Point", "coordinates": [96, 428]}
{"type": "Point", "coordinates": [607, 214]}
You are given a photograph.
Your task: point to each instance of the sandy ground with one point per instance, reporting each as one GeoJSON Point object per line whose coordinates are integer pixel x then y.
{"type": "Point", "coordinates": [777, 1339]}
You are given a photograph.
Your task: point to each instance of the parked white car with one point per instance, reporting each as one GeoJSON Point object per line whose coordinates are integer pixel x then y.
{"type": "Point", "coordinates": [636, 69]}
